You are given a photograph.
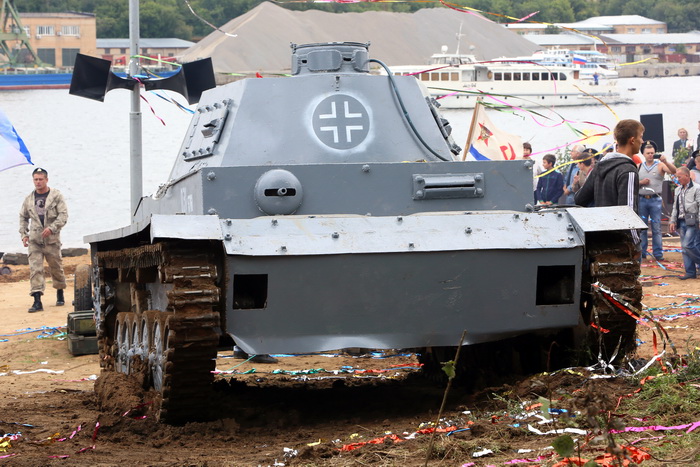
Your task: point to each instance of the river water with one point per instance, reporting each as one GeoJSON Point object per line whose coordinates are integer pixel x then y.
{"type": "Point", "coordinates": [84, 144]}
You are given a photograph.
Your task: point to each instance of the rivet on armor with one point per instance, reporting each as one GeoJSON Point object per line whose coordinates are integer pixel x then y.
{"type": "Point", "coordinates": [211, 176]}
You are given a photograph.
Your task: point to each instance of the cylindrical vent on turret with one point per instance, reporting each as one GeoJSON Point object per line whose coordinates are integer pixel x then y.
{"type": "Point", "coordinates": [331, 57]}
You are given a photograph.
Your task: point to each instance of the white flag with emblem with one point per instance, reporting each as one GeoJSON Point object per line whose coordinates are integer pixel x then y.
{"type": "Point", "coordinates": [486, 142]}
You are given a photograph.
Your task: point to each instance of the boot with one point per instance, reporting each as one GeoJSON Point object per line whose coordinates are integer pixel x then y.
{"type": "Point", "coordinates": [37, 306]}
{"type": "Point", "coordinates": [59, 298]}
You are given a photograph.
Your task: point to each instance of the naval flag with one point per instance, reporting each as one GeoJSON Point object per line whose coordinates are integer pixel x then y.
{"type": "Point", "coordinates": [486, 142]}
{"type": "Point", "coordinates": [13, 151]}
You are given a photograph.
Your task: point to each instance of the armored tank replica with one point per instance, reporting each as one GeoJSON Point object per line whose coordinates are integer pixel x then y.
{"type": "Point", "coordinates": [329, 210]}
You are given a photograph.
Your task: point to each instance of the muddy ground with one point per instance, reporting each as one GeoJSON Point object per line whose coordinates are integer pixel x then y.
{"type": "Point", "coordinates": [321, 410]}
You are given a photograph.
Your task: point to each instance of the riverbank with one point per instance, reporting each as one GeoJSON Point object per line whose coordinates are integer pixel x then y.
{"type": "Point", "coordinates": [659, 70]}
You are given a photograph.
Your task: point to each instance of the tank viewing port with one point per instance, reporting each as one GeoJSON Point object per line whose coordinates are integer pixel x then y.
{"type": "Point", "coordinates": [249, 291]}
{"type": "Point", "coordinates": [555, 285]}
{"type": "Point", "coordinates": [278, 192]}
{"type": "Point", "coordinates": [331, 57]}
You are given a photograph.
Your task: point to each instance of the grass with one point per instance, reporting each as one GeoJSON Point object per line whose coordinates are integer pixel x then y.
{"type": "Point", "coordinates": [670, 399]}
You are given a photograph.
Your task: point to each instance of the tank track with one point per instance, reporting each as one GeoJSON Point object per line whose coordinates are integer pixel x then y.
{"type": "Point", "coordinates": [171, 349]}
{"type": "Point", "coordinates": [613, 263]}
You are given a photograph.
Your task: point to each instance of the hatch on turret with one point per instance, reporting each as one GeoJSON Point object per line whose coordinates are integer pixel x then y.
{"type": "Point", "coordinates": [332, 57]}
{"type": "Point", "coordinates": [205, 130]}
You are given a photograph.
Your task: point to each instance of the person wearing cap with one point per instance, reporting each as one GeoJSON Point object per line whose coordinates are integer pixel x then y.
{"type": "Point", "coordinates": [615, 180]}
{"type": "Point", "coordinates": [652, 171]}
{"type": "Point", "coordinates": [41, 218]}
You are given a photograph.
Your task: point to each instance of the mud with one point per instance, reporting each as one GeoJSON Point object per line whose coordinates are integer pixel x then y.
{"type": "Point", "coordinates": [316, 412]}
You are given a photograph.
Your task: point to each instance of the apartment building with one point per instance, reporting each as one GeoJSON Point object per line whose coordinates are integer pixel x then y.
{"type": "Point", "coordinates": [58, 37]}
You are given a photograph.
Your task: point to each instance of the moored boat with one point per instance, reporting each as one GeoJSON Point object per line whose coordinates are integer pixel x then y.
{"type": "Point", "coordinates": [457, 81]}
{"type": "Point", "coordinates": [589, 62]}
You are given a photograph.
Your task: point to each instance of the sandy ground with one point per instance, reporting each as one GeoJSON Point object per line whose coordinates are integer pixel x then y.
{"type": "Point", "coordinates": [50, 413]}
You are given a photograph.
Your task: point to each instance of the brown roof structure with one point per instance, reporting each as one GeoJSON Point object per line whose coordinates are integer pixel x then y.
{"type": "Point", "coordinates": [264, 33]}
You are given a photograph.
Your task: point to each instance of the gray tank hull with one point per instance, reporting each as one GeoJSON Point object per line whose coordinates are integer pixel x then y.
{"type": "Point", "coordinates": [327, 211]}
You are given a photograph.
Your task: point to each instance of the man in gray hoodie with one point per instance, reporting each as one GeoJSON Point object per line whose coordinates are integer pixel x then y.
{"type": "Point", "coordinates": [615, 181]}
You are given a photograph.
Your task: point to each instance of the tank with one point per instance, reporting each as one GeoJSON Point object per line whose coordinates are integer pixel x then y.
{"type": "Point", "coordinates": [331, 210]}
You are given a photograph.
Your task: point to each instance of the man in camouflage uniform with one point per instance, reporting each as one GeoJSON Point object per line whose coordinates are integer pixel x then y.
{"type": "Point", "coordinates": [46, 210]}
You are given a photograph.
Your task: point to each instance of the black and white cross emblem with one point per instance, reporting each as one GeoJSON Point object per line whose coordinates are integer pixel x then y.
{"type": "Point", "coordinates": [341, 121]}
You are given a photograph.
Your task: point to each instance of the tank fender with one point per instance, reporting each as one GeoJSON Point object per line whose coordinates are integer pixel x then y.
{"type": "Point", "coordinates": [605, 219]}
{"type": "Point", "coordinates": [422, 232]}
{"type": "Point", "coordinates": [190, 227]}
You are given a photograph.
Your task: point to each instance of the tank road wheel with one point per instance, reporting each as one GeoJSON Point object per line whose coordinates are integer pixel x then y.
{"type": "Point", "coordinates": [123, 343]}
{"type": "Point", "coordinates": [613, 264]}
{"type": "Point", "coordinates": [145, 351]}
{"type": "Point", "coordinates": [172, 348]}
{"type": "Point", "coordinates": [157, 357]}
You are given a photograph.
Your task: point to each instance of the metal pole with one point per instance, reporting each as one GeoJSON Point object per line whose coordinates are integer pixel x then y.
{"type": "Point", "coordinates": [136, 151]}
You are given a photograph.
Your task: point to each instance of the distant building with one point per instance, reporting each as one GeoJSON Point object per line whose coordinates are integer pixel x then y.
{"type": "Point", "coordinates": [117, 50]}
{"type": "Point", "coordinates": [627, 38]}
{"type": "Point", "coordinates": [58, 37]}
{"type": "Point", "coordinates": [623, 24]}
{"type": "Point", "coordinates": [626, 24]}
{"type": "Point", "coordinates": [651, 44]}
{"type": "Point", "coordinates": [564, 41]}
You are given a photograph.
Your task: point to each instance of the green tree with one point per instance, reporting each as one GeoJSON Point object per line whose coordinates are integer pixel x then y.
{"type": "Point", "coordinates": [584, 9]}
{"type": "Point", "coordinates": [550, 11]}
{"type": "Point", "coordinates": [161, 18]}
{"type": "Point", "coordinates": [112, 19]}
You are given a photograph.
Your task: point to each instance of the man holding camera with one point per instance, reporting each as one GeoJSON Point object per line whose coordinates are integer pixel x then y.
{"type": "Point", "coordinates": [651, 176]}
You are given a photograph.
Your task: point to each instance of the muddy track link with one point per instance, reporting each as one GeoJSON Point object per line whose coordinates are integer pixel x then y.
{"type": "Point", "coordinates": [173, 349]}
{"type": "Point", "coordinates": [613, 264]}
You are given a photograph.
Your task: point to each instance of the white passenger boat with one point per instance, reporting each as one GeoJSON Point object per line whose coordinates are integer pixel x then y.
{"type": "Point", "coordinates": [457, 81]}
{"type": "Point", "coordinates": [588, 62]}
